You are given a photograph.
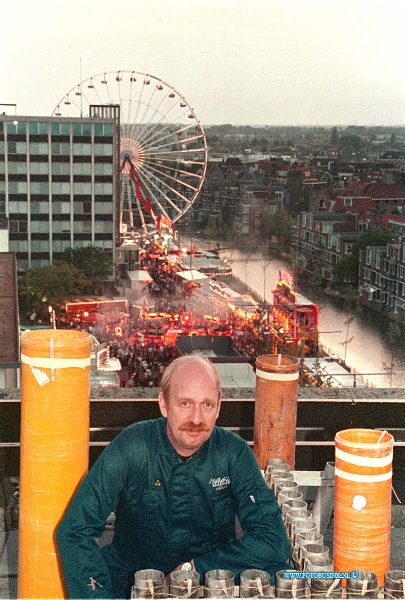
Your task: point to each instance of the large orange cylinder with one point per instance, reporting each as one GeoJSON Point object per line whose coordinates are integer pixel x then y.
{"type": "Point", "coordinates": [362, 515]}
{"type": "Point", "coordinates": [275, 420]}
{"type": "Point", "coordinates": [55, 393]}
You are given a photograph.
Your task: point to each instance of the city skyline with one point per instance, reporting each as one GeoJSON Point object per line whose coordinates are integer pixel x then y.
{"type": "Point", "coordinates": [243, 62]}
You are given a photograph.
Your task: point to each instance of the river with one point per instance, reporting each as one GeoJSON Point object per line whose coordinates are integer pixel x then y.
{"type": "Point", "coordinates": [366, 353]}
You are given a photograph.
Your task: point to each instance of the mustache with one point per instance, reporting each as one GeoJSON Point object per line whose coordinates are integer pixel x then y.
{"type": "Point", "coordinates": [189, 426]}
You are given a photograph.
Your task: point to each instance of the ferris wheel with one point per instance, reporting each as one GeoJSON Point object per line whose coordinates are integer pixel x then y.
{"type": "Point", "coordinates": [162, 146]}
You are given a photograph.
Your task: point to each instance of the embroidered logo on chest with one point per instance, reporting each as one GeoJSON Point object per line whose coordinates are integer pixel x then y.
{"type": "Point", "coordinates": [220, 483]}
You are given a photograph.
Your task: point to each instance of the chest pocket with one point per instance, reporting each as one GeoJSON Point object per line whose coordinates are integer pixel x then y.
{"type": "Point", "coordinates": [146, 504]}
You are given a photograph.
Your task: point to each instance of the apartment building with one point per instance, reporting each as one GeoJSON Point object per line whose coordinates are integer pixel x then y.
{"type": "Point", "coordinates": [321, 239]}
{"type": "Point", "coordinates": [58, 185]}
{"type": "Point", "coordinates": [382, 274]}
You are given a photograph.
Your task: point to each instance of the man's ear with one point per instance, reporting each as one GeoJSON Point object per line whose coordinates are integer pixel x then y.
{"type": "Point", "coordinates": [162, 404]}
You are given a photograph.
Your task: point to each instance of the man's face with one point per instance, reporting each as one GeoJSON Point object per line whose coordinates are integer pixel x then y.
{"type": "Point", "coordinates": [192, 408]}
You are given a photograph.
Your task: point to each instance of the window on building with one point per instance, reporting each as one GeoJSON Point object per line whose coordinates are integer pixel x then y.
{"type": "Point", "coordinates": [39, 226]}
{"type": "Point", "coordinates": [18, 245]}
{"type": "Point", "coordinates": [17, 168]}
{"type": "Point", "coordinates": [61, 188]}
{"type": "Point", "coordinates": [61, 227]}
{"type": "Point", "coordinates": [38, 128]}
{"type": "Point", "coordinates": [82, 149]}
{"type": "Point", "coordinates": [60, 168]}
{"type": "Point", "coordinates": [60, 148]}
{"type": "Point", "coordinates": [82, 227]}
{"type": "Point", "coordinates": [81, 187]}
{"type": "Point", "coordinates": [103, 227]}
{"type": "Point", "coordinates": [105, 189]}
{"type": "Point", "coordinates": [60, 208]}
{"type": "Point", "coordinates": [81, 168]}
{"type": "Point", "coordinates": [21, 148]}
{"type": "Point", "coordinates": [60, 128]}
{"type": "Point", "coordinates": [39, 208]}
{"type": "Point", "coordinates": [80, 208]}
{"type": "Point", "coordinates": [105, 244]}
{"type": "Point", "coordinates": [81, 129]}
{"type": "Point", "coordinates": [103, 208]}
{"type": "Point", "coordinates": [16, 127]}
{"type": "Point", "coordinates": [103, 169]}
{"type": "Point", "coordinates": [17, 187]}
{"type": "Point", "coordinates": [18, 226]}
{"type": "Point", "coordinates": [103, 149]}
{"type": "Point", "coordinates": [39, 187]}
{"type": "Point", "coordinates": [43, 208]}
{"type": "Point", "coordinates": [39, 168]}
{"type": "Point", "coordinates": [38, 148]}
{"type": "Point", "coordinates": [105, 129]}
{"type": "Point", "coordinates": [40, 245]}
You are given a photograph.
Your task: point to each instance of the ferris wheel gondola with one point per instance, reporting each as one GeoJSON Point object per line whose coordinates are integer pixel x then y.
{"type": "Point", "coordinates": [163, 149]}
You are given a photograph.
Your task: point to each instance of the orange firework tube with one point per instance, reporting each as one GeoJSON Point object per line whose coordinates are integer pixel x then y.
{"type": "Point", "coordinates": [55, 400]}
{"type": "Point", "coordinates": [275, 421]}
{"type": "Point", "coordinates": [362, 516]}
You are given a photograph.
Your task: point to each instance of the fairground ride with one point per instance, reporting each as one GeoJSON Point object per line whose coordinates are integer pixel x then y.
{"type": "Point", "coordinates": [162, 146]}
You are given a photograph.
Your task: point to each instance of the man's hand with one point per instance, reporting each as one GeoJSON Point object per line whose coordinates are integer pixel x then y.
{"type": "Point", "coordinates": [180, 568]}
{"type": "Point", "coordinates": [186, 566]}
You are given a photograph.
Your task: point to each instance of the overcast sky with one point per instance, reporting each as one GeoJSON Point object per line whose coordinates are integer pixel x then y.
{"type": "Point", "coordinates": [247, 62]}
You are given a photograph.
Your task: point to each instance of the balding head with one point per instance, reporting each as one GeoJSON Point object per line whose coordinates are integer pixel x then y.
{"type": "Point", "coordinates": [183, 366]}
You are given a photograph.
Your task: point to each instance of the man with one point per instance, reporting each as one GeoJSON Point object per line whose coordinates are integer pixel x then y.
{"type": "Point", "coordinates": [176, 484]}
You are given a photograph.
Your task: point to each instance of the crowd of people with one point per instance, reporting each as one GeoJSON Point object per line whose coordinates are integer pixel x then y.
{"type": "Point", "coordinates": [140, 342]}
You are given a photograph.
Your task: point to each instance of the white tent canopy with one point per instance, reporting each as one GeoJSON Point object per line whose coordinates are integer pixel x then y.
{"type": "Point", "coordinates": [193, 275]}
{"type": "Point", "coordinates": [140, 275]}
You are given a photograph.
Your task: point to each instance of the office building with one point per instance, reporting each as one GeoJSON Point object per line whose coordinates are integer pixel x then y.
{"type": "Point", "coordinates": [58, 185]}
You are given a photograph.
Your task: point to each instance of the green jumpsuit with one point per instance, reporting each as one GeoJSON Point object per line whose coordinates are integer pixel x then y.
{"type": "Point", "coordinates": [169, 510]}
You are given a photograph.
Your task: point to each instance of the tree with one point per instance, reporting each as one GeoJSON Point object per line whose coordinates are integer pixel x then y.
{"type": "Point", "coordinates": [219, 227]}
{"type": "Point", "coordinates": [395, 336]}
{"type": "Point", "coordinates": [377, 237]}
{"type": "Point", "coordinates": [276, 224]}
{"type": "Point", "coordinates": [51, 286]}
{"type": "Point", "coordinates": [94, 262]}
{"type": "Point", "coordinates": [350, 144]}
{"type": "Point", "coordinates": [347, 269]}
{"type": "Point", "coordinates": [317, 377]}
{"type": "Point", "coordinates": [347, 322]}
{"type": "Point", "coordinates": [334, 140]}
